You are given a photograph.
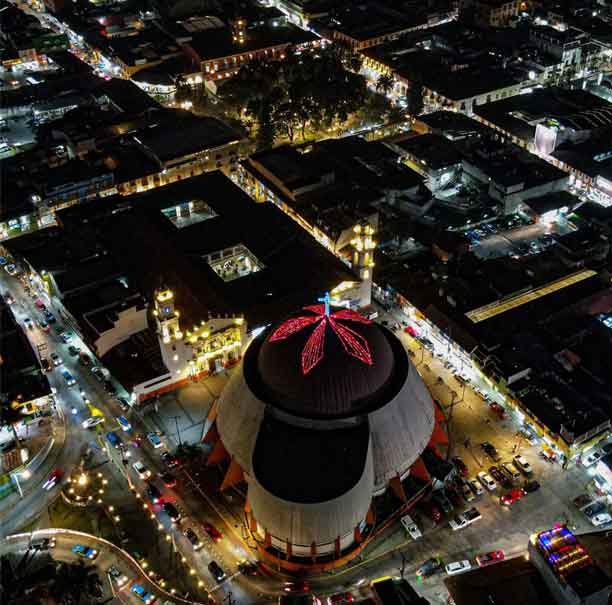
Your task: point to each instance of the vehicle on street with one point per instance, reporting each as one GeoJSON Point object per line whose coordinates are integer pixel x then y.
{"type": "Point", "coordinates": [109, 387]}
{"type": "Point", "coordinates": [475, 487]}
{"type": "Point", "coordinates": [297, 587]}
{"type": "Point", "coordinates": [124, 424]}
{"type": "Point", "coordinates": [43, 325]}
{"type": "Point", "coordinates": [93, 421]}
{"type": "Point", "coordinates": [84, 359]}
{"type": "Point", "coordinates": [54, 477]}
{"type": "Point", "coordinates": [411, 527]}
{"type": "Point", "coordinates": [458, 522]}
{"type": "Point", "coordinates": [66, 336]}
{"type": "Point", "coordinates": [40, 304]}
{"type": "Point", "coordinates": [429, 567]}
{"type": "Point", "coordinates": [466, 491]}
{"type": "Point", "coordinates": [213, 532]}
{"type": "Point", "coordinates": [120, 579]}
{"type": "Point", "coordinates": [123, 403]}
{"type": "Point", "coordinates": [460, 466]}
{"type": "Point", "coordinates": [497, 409]}
{"type": "Point", "coordinates": [27, 322]}
{"type": "Point", "coordinates": [472, 514]}
{"type": "Point", "coordinates": [341, 597]}
{"type": "Point", "coordinates": [486, 481]}
{"type": "Point", "coordinates": [216, 571]}
{"type": "Point", "coordinates": [143, 472]}
{"type": "Point", "coordinates": [45, 364]}
{"type": "Point", "coordinates": [43, 543]}
{"type": "Point", "coordinates": [523, 465]}
{"type": "Point", "coordinates": [193, 538]}
{"type": "Point", "coordinates": [457, 567]}
{"type": "Point", "coordinates": [511, 471]}
{"type": "Point", "coordinates": [172, 512]}
{"type": "Point", "coordinates": [154, 440]}
{"type": "Point", "coordinates": [154, 494]}
{"type": "Point", "coordinates": [73, 351]}
{"type": "Point", "coordinates": [56, 359]}
{"type": "Point", "coordinates": [84, 551]}
{"type": "Point", "coordinates": [97, 373]}
{"type": "Point", "coordinates": [247, 568]}
{"type": "Point", "coordinates": [113, 439]}
{"type": "Point", "coordinates": [512, 496]}
{"type": "Point", "coordinates": [490, 451]}
{"type": "Point", "coordinates": [11, 269]}
{"type": "Point", "coordinates": [69, 378]}
{"type": "Point", "coordinates": [500, 477]}
{"type": "Point", "coordinates": [601, 519]}
{"type": "Point", "coordinates": [453, 495]}
{"type": "Point", "coordinates": [146, 597]}
{"type": "Point", "coordinates": [442, 501]}
{"type": "Point", "coordinates": [531, 486]}
{"type": "Point", "coordinates": [8, 298]}
{"type": "Point", "coordinates": [49, 316]}
{"type": "Point", "coordinates": [169, 479]}
{"type": "Point", "coordinates": [489, 558]}
{"type": "Point", "coordinates": [595, 508]}
{"type": "Point", "coordinates": [592, 458]}
{"type": "Point", "coordinates": [169, 460]}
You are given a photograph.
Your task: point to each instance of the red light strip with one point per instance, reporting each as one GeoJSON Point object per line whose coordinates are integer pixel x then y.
{"type": "Point", "coordinates": [312, 353]}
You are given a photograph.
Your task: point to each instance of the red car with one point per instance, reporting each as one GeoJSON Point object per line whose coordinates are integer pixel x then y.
{"type": "Point", "coordinates": [299, 586]}
{"type": "Point", "coordinates": [461, 466]}
{"type": "Point", "coordinates": [512, 496]}
{"type": "Point", "coordinates": [498, 409]}
{"type": "Point", "coordinates": [489, 558]}
{"type": "Point", "coordinates": [213, 532]}
{"type": "Point", "coordinates": [341, 597]}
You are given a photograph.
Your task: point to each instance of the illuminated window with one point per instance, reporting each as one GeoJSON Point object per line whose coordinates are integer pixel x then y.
{"type": "Point", "coordinates": [234, 263]}
{"type": "Point", "coordinates": [188, 212]}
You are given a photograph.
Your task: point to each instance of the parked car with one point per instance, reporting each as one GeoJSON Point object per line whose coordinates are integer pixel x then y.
{"type": "Point", "coordinates": [109, 387]}
{"type": "Point", "coordinates": [45, 364]}
{"type": "Point", "coordinates": [511, 471]}
{"type": "Point", "coordinates": [27, 322]}
{"type": "Point", "coordinates": [442, 501]}
{"type": "Point", "coordinates": [411, 527]}
{"type": "Point", "coordinates": [43, 325]}
{"type": "Point", "coordinates": [169, 460]}
{"type": "Point", "coordinates": [523, 465]}
{"type": "Point", "coordinates": [193, 538]}
{"type": "Point", "coordinates": [458, 522]}
{"type": "Point", "coordinates": [40, 304]}
{"type": "Point", "coordinates": [213, 532]}
{"type": "Point", "coordinates": [84, 551]}
{"type": "Point", "coordinates": [123, 403]}
{"type": "Point", "coordinates": [98, 374]}
{"type": "Point", "coordinates": [489, 558]}
{"type": "Point", "coordinates": [531, 486]}
{"type": "Point", "coordinates": [601, 519]}
{"type": "Point", "coordinates": [458, 567]}
{"type": "Point", "coordinates": [169, 479]}
{"type": "Point", "coordinates": [512, 496]}
{"type": "Point", "coordinates": [66, 336]}
{"type": "Point", "coordinates": [500, 477]}
{"type": "Point", "coordinates": [56, 359]}
{"type": "Point", "coordinates": [475, 487]}
{"type": "Point", "coordinates": [49, 316]}
{"type": "Point", "coordinates": [172, 512]}
{"type": "Point", "coordinates": [84, 359]}
{"type": "Point", "coordinates": [143, 472]}
{"type": "Point", "coordinates": [466, 491]}
{"type": "Point", "coordinates": [592, 458]}
{"type": "Point", "coordinates": [490, 451]}
{"type": "Point", "coordinates": [119, 578]}
{"type": "Point", "coordinates": [461, 467]}
{"type": "Point", "coordinates": [486, 481]}
{"type": "Point", "coordinates": [429, 567]}
{"type": "Point", "coordinates": [341, 597]}
{"type": "Point", "coordinates": [472, 514]}
{"type": "Point", "coordinates": [216, 571]}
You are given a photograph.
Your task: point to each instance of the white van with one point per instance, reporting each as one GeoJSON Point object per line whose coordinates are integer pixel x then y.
{"type": "Point", "coordinates": [411, 527]}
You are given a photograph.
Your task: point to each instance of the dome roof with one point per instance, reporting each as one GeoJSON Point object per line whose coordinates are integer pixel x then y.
{"type": "Point", "coordinates": [319, 366]}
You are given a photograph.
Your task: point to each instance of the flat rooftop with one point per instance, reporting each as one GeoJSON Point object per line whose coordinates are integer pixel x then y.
{"type": "Point", "coordinates": [435, 151]}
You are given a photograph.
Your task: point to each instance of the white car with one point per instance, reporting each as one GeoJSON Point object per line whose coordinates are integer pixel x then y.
{"type": "Point", "coordinates": [411, 527]}
{"type": "Point", "coordinates": [93, 421]}
{"type": "Point", "coordinates": [601, 519]}
{"type": "Point", "coordinates": [523, 465]}
{"type": "Point", "coordinates": [458, 522]}
{"type": "Point", "coordinates": [457, 567]}
{"type": "Point", "coordinates": [592, 458]}
{"type": "Point", "coordinates": [486, 480]}
{"type": "Point", "coordinates": [142, 470]}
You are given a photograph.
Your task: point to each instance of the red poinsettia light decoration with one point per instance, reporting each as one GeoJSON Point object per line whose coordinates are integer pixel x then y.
{"type": "Point", "coordinates": [314, 350]}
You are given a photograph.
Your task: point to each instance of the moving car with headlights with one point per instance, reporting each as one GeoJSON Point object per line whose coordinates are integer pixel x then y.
{"type": "Point", "coordinates": [169, 479]}
{"type": "Point", "coordinates": [143, 472]}
{"type": "Point", "coordinates": [84, 551]}
{"type": "Point", "coordinates": [213, 532]}
{"type": "Point", "coordinates": [172, 512]}
{"type": "Point", "coordinates": [69, 378]}
{"type": "Point", "coordinates": [458, 567]}
{"type": "Point", "coordinates": [193, 538]}
{"type": "Point", "coordinates": [113, 439]}
{"type": "Point", "coordinates": [56, 359]}
{"type": "Point", "coordinates": [93, 421]}
{"type": "Point", "coordinates": [120, 579]}
{"type": "Point", "coordinates": [489, 558]}
{"type": "Point", "coordinates": [146, 597]}
{"type": "Point", "coordinates": [216, 571]}
{"type": "Point", "coordinates": [124, 424]}
{"type": "Point", "coordinates": [154, 440]}
{"type": "Point", "coordinates": [341, 597]}
{"type": "Point", "coordinates": [52, 480]}
{"type": "Point", "coordinates": [154, 493]}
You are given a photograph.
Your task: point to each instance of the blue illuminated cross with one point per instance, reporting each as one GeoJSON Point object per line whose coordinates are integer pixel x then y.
{"type": "Point", "coordinates": [326, 300]}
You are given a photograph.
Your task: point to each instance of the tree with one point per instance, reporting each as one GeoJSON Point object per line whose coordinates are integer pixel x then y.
{"type": "Point", "coordinates": [415, 98]}
{"type": "Point", "coordinates": [9, 416]}
{"type": "Point", "coordinates": [385, 83]}
{"type": "Point", "coordinates": [266, 131]}
{"type": "Point", "coordinates": [76, 583]}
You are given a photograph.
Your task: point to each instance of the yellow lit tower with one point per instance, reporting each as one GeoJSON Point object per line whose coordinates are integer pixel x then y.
{"type": "Point", "coordinates": [166, 316]}
{"type": "Point", "coordinates": [363, 259]}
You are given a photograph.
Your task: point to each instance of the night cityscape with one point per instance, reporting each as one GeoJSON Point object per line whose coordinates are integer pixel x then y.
{"type": "Point", "coordinates": [305, 302]}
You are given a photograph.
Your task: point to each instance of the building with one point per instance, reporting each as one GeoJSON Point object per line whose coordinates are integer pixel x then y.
{"type": "Point", "coordinates": [573, 575]}
{"type": "Point", "coordinates": [324, 414]}
{"type": "Point", "coordinates": [497, 13]}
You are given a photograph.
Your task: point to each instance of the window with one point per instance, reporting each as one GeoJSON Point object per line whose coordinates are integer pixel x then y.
{"type": "Point", "coordinates": [234, 263]}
